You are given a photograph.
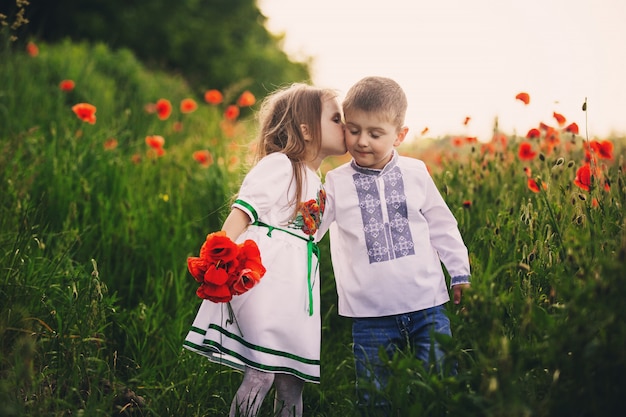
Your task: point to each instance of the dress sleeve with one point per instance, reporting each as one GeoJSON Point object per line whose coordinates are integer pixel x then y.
{"type": "Point", "coordinates": [264, 185]}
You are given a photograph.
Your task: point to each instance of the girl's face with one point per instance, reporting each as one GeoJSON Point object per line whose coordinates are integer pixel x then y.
{"type": "Point", "coordinates": [370, 140]}
{"type": "Point", "coordinates": [332, 129]}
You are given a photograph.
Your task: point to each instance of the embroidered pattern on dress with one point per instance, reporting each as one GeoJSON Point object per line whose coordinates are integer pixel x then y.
{"type": "Point", "coordinates": [391, 239]}
{"type": "Point", "coordinates": [310, 213]}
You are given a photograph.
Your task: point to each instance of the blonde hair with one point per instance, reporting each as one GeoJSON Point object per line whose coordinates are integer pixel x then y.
{"type": "Point", "coordinates": [280, 118]}
{"type": "Point", "coordinates": [380, 95]}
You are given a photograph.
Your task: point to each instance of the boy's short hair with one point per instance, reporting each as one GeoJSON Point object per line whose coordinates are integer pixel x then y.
{"type": "Point", "coordinates": [378, 95]}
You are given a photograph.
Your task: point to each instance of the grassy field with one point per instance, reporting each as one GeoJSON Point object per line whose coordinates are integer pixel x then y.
{"type": "Point", "coordinates": [97, 218]}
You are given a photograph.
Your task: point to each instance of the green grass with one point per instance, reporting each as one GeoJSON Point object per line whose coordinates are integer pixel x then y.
{"type": "Point", "coordinates": [95, 298]}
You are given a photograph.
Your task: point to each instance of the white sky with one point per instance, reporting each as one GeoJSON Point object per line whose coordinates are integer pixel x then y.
{"type": "Point", "coordinates": [458, 58]}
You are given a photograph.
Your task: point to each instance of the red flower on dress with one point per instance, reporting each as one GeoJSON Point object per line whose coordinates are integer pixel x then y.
{"type": "Point", "coordinates": [526, 152]}
{"type": "Point", "coordinates": [523, 97]}
{"type": "Point", "coordinates": [85, 112]}
{"type": "Point", "coordinates": [163, 108]}
{"type": "Point", "coordinates": [213, 97]}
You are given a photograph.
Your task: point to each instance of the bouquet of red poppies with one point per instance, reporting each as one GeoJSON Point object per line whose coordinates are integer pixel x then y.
{"type": "Point", "coordinates": [225, 268]}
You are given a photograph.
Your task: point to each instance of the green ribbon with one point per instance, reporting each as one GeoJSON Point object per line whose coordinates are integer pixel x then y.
{"type": "Point", "coordinates": [312, 249]}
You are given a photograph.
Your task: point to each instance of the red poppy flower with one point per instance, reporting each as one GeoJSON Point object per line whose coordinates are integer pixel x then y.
{"type": "Point", "coordinates": [532, 185]}
{"type": "Point", "coordinates": [188, 105]}
{"type": "Point", "coordinates": [560, 119]}
{"type": "Point", "coordinates": [231, 112]}
{"type": "Point", "coordinates": [572, 128]}
{"type": "Point", "coordinates": [163, 108]}
{"type": "Point", "coordinates": [526, 152]}
{"type": "Point", "coordinates": [523, 97]}
{"type": "Point", "coordinates": [251, 268]}
{"type": "Point", "coordinates": [218, 273]}
{"type": "Point", "coordinates": [544, 126]}
{"type": "Point", "coordinates": [553, 137]}
{"type": "Point", "coordinates": [155, 141]}
{"type": "Point", "coordinates": [213, 97]}
{"type": "Point", "coordinates": [85, 112]}
{"type": "Point", "coordinates": [603, 149]}
{"type": "Point", "coordinates": [197, 267]}
{"type": "Point", "coordinates": [32, 49]}
{"type": "Point", "coordinates": [224, 268]}
{"type": "Point", "coordinates": [218, 247]}
{"type": "Point", "coordinates": [214, 293]}
{"type": "Point", "coordinates": [246, 99]}
{"type": "Point", "coordinates": [66, 85]}
{"type": "Point", "coordinates": [533, 133]}
{"type": "Point", "coordinates": [583, 177]}
{"type": "Point", "coordinates": [203, 157]}
{"type": "Point", "coordinates": [467, 204]}
{"type": "Point", "coordinates": [110, 144]}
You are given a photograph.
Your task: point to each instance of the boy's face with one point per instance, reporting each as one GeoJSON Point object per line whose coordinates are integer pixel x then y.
{"type": "Point", "coordinates": [370, 139]}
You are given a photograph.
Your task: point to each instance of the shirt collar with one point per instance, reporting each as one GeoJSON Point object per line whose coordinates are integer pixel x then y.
{"type": "Point", "coordinates": [376, 172]}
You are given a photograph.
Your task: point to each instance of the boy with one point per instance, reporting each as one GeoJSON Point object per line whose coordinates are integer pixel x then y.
{"type": "Point", "coordinates": [391, 232]}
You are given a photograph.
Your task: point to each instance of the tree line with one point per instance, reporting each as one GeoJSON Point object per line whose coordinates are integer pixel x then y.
{"type": "Point", "coordinates": [211, 43]}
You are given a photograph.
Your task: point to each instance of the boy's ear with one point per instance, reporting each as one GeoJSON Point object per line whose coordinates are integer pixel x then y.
{"type": "Point", "coordinates": [305, 132]}
{"type": "Point", "coordinates": [401, 135]}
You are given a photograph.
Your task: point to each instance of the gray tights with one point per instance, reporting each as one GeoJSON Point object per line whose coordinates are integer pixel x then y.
{"type": "Point", "coordinates": [256, 385]}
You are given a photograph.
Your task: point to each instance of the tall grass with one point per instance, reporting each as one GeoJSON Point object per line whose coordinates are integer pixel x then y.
{"type": "Point", "coordinates": [95, 298]}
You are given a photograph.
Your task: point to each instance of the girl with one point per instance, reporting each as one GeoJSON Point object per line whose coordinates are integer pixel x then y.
{"type": "Point", "coordinates": [272, 332]}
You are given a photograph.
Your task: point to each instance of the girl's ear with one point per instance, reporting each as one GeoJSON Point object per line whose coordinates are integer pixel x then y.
{"type": "Point", "coordinates": [305, 132]}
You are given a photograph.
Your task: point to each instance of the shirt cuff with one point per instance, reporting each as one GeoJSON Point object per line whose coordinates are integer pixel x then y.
{"type": "Point", "coordinates": [461, 279]}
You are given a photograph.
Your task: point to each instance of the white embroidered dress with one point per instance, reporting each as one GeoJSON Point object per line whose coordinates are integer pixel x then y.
{"type": "Point", "coordinates": [276, 324]}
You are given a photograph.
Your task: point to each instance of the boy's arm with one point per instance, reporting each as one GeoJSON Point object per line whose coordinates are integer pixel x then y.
{"type": "Point", "coordinates": [446, 239]}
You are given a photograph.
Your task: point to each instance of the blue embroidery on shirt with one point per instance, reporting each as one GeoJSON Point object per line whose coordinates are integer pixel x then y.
{"type": "Point", "coordinates": [389, 240]}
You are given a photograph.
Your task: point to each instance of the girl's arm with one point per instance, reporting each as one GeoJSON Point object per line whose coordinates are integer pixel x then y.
{"type": "Point", "coordinates": [236, 222]}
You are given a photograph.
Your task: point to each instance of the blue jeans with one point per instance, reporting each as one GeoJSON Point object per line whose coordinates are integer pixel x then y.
{"type": "Point", "coordinates": [409, 331]}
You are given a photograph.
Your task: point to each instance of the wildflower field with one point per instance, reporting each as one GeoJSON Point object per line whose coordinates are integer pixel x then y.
{"type": "Point", "coordinates": [112, 175]}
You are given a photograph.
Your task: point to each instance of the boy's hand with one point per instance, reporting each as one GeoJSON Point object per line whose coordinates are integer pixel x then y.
{"type": "Point", "coordinates": [458, 292]}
